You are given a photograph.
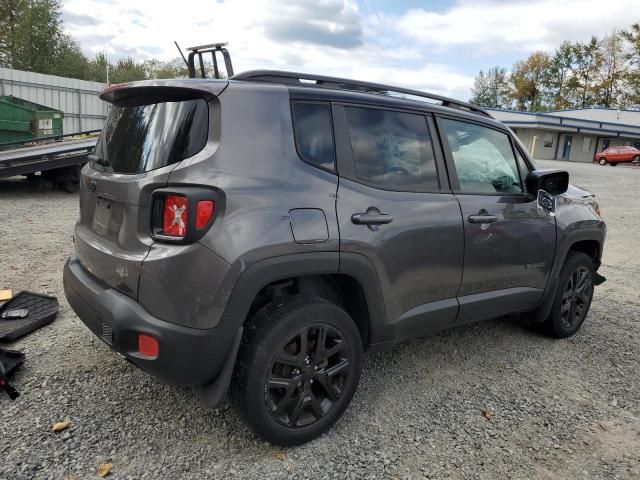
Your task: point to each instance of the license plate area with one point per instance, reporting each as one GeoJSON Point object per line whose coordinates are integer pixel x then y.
{"type": "Point", "coordinates": [102, 216]}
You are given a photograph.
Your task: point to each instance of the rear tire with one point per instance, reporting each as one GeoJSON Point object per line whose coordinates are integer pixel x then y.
{"type": "Point", "coordinates": [573, 297]}
{"type": "Point", "coordinates": [287, 385]}
{"type": "Point", "coordinates": [614, 164]}
{"type": "Point", "coordinates": [602, 161]}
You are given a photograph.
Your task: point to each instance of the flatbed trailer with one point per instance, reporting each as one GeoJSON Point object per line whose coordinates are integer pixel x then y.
{"type": "Point", "coordinates": [57, 161]}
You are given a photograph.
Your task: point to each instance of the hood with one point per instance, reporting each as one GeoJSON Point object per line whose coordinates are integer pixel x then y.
{"type": "Point", "coordinates": [576, 192]}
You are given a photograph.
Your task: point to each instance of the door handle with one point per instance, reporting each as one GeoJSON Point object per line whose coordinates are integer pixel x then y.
{"type": "Point", "coordinates": [482, 219]}
{"type": "Point", "coordinates": [371, 218]}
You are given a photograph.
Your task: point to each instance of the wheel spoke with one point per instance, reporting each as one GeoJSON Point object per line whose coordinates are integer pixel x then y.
{"type": "Point", "coordinates": [289, 385]}
{"type": "Point", "coordinates": [321, 342]}
{"type": "Point", "coordinates": [583, 282]}
{"type": "Point", "coordinates": [304, 343]}
{"type": "Point", "coordinates": [333, 391]}
{"type": "Point", "coordinates": [582, 297]}
{"type": "Point", "coordinates": [341, 367]}
{"type": "Point", "coordinates": [297, 410]}
{"type": "Point", "coordinates": [338, 347]}
{"type": "Point", "coordinates": [565, 307]}
{"type": "Point", "coordinates": [316, 405]}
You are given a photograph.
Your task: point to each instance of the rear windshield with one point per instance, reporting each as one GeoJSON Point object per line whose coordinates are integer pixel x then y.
{"type": "Point", "coordinates": [136, 139]}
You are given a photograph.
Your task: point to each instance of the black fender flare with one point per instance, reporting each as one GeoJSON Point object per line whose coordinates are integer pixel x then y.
{"type": "Point", "coordinates": [264, 272]}
{"type": "Point", "coordinates": [542, 311]}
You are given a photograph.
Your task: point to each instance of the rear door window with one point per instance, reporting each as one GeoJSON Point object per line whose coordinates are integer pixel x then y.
{"type": "Point", "coordinates": [140, 138]}
{"type": "Point", "coordinates": [314, 133]}
{"type": "Point", "coordinates": [392, 150]}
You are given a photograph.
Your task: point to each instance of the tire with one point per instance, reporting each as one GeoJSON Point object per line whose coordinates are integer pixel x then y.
{"type": "Point", "coordinates": [573, 297]}
{"type": "Point", "coordinates": [602, 161]}
{"type": "Point", "coordinates": [286, 394]}
{"type": "Point", "coordinates": [636, 158]}
{"type": "Point", "coordinates": [614, 164]}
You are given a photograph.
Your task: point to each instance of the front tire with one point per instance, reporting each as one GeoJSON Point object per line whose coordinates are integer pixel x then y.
{"type": "Point", "coordinates": [298, 367]}
{"type": "Point", "coordinates": [573, 297]}
{"type": "Point", "coordinates": [602, 161]}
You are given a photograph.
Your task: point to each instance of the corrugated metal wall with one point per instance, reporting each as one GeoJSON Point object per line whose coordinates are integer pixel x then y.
{"type": "Point", "coordinates": [78, 99]}
{"type": "Point", "coordinates": [629, 117]}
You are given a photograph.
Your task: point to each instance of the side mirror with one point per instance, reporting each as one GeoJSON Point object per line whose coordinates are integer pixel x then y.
{"type": "Point", "coordinates": [554, 182]}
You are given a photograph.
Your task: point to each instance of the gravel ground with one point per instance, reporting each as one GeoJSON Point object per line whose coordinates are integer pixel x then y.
{"type": "Point", "coordinates": [563, 409]}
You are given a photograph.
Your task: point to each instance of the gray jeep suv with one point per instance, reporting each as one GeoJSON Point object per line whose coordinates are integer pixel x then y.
{"type": "Point", "coordinates": [254, 236]}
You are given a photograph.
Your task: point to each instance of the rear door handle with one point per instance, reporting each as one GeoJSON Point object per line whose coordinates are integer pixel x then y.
{"type": "Point", "coordinates": [371, 218]}
{"type": "Point", "coordinates": [482, 218]}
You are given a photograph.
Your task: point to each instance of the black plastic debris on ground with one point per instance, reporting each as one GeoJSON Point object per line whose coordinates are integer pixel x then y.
{"type": "Point", "coordinates": [42, 310]}
{"type": "Point", "coordinates": [9, 360]}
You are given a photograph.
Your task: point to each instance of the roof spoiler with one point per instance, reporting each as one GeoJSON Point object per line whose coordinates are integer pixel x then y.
{"type": "Point", "coordinates": [146, 92]}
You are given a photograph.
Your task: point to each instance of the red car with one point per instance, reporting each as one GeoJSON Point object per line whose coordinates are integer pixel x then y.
{"type": "Point", "coordinates": [616, 155]}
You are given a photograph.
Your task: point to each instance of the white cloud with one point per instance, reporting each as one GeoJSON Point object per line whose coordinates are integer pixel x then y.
{"type": "Point", "coordinates": [498, 26]}
{"type": "Point", "coordinates": [262, 34]}
{"type": "Point", "coordinates": [335, 37]}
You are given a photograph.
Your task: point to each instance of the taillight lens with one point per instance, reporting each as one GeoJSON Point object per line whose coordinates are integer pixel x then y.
{"type": "Point", "coordinates": [174, 216]}
{"type": "Point", "coordinates": [204, 212]}
{"type": "Point", "coordinates": [182, 214]}
{"type": "Point", "coordinates": [148, 345]}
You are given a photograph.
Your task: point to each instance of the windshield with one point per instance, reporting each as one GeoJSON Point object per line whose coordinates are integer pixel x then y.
{"type": "Point", "coordinates": [137, 139]}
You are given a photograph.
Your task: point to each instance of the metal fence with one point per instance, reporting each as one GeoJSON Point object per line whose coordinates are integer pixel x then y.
{"type": "Point", "coordinates": [78, 99]}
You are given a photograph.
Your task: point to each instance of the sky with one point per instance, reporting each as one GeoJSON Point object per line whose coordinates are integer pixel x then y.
{"type": "Point", "coordinates": [438, 45]}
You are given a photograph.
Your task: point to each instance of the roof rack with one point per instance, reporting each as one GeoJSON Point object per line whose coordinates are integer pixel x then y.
{"type": "Point", "coordinates": [293, 78]}
{"type": "Point", "coordinates": [212, 48]}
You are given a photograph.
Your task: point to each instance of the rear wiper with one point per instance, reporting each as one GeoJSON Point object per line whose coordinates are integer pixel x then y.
{"type": "Point", "coordinates": [100, 161]}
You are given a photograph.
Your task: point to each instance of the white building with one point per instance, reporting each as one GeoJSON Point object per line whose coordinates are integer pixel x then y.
{"type": "Point", "coordinates": [575, 135]}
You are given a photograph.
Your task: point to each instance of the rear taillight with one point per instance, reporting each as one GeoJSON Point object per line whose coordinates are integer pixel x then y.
{"type": "Point", "coordinates": [174, 216]}
{"type": "Point", "coordinates": [182, 215]}
{"type": "Point", "coordinates": [204, 212]}
{"type": "Point", "coordinates": [148, 345]}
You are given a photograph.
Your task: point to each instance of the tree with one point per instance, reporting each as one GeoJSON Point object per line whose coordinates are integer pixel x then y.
{"type": "Point", "coordinates": [127, 70]}
{"type": "Point", "coordinates": [70, 61]}
{"type": "Point", "coordinates": [32, 38]}
{"type": "Point", "coordinates": [98, 68]}
{"type": "Point", "coordinates": [529, 79]}
{"type": "Point", "coordinates": [174, 68]}
{"type": "Point", "coordinates": [492, 89]}
{"type": "Point", "coordinates": [631, 75]}
{"type": "Point", "coordinates": [588, 62]}
{"type": "Point", "coordinates": [560, 80]}
{"type": "Point", "coordinates": [609, 75]}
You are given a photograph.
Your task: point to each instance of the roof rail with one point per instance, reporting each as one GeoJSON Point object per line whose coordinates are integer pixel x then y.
{"type": "Point", "coordinates": [293, 78]}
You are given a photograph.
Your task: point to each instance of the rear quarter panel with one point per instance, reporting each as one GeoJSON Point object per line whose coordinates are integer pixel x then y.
{"type": "Point", "coordinates": [262, 178]}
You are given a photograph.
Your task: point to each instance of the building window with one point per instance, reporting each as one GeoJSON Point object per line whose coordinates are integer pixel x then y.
{"type": "Point", "coordinates": [548, 140]}
{"type": "Point", "coordinates": [586, 144]}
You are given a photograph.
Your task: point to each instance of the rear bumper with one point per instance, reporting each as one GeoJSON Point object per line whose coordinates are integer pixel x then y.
{"type": "Point", "coordinates": [187, 356]}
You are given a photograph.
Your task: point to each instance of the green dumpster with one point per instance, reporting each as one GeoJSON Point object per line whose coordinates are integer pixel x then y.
{"type": "Point", "coordinates": [21, 120]}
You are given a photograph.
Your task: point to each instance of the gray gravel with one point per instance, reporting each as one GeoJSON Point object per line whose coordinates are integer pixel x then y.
{"type": "Point", "coordinates": [563, 409]}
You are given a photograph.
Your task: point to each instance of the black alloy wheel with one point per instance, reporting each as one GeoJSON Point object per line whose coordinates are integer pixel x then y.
{"type": "Point", "coordinates": [573, 296]}
{"type": "Point", "coordinates": [297, 369]}
{"type": "Point", "coordinates": [576, 298]}
{"type": "Point", "coordinates": [307, 375]}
